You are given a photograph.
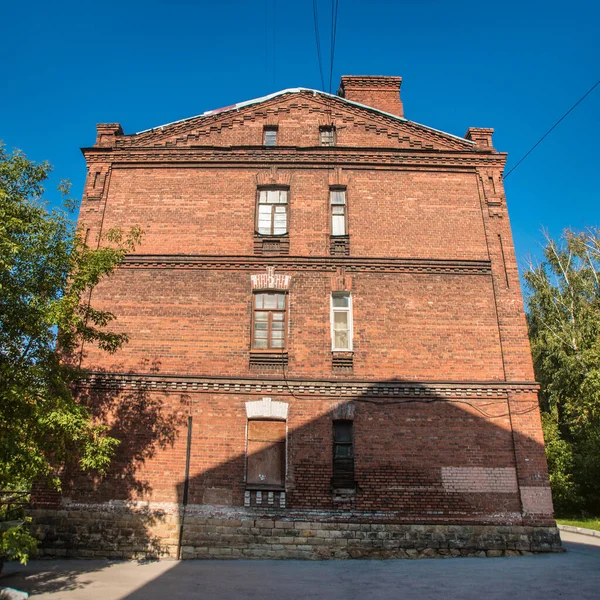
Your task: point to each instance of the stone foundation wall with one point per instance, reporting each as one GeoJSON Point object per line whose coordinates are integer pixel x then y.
{"type": "Point", "coordinates": [126, 532]}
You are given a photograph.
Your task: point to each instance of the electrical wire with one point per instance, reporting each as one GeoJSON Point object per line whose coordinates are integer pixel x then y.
{"type": "Point", "coordinates": [316, 21]}
{"type": "Point", "coordinates": [553, 126]}
{"type": "Point", "coordinates": [334, 14]}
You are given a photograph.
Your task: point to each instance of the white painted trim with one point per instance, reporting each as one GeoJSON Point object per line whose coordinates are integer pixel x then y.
{"type": "Point", "coordinates": [350, 321]}
{"type": "Point", "coordinates": [267, 409]}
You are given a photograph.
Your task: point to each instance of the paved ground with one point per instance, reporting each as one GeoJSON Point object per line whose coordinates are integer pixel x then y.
{"type": "Point", "coordinates": [574, 574]}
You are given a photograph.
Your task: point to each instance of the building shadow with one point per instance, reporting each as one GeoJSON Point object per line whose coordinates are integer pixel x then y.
{"type": "Point", "coordinates": [421, 457]}
{"type": "Point", "coordinates": [145, 423]}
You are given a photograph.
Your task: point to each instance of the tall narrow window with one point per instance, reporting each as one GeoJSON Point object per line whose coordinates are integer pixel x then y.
{"type": "Point", "coordinates": [343, 455]}
{"type": "Point", "coordinates": [269, 321]}
{"type": "Point", "coordinates": [266, 454]}
{"type": "Point", "coordinates": [327, 136]}
{"type": "Point", "coordinates": [272, 213]}
{"type": "Point", "coordinates": [341, 321]}
{"type": "Point", "coordinates": [337, 199]}
{"type": "Point", "coordinates": [270, 135]}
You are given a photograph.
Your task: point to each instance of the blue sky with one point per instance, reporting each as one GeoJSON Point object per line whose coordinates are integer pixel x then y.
{"type": "Point", "coordinates": [514, 66]}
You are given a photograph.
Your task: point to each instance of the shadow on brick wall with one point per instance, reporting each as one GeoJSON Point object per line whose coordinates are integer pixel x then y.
{"type": "Point", "coordinates": [422, 459]}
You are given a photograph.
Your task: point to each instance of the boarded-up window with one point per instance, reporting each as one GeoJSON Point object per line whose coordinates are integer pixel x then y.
{"type": "Point", "coordinates": [343, 455]}
{"type": "Point", "coordinates": [266, 453]}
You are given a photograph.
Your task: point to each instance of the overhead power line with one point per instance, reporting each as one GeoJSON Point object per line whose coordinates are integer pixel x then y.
{"type": "Point", "coordinates": [316, 20]}
{"type": "Point", "coordinates": [553, 127]}
{"type": "Point", "coordinates": [334, 14]}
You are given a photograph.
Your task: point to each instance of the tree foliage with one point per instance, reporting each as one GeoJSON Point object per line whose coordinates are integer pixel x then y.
{"type": "Point", "coordinates": [564, 329]}
{"type": "Point", "coordinates": [47, 274]}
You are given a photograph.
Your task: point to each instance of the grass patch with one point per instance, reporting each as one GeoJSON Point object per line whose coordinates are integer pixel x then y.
{"type": "Point", "coordinates": [592, 523]}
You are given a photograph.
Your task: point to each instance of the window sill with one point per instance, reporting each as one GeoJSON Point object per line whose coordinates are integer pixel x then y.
{"type": "Point", "coordinates": [271, 244]}
{"type": "Point", "coordinates": [263, 487]}
{"type": "Point", "coordinates": [342, 360]}
{"type": "Point", "coordinates": [269, 358]}
{"type": "Point", "coordinates": [339, 245]}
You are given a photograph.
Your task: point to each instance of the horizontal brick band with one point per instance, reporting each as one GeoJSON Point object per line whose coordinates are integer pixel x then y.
{"type": "Point", "coordinates": [316, 263]}
{"type": "Point", "coordinates": [310, 157]}
{"type": "Point", "coordinates": [191, 383]}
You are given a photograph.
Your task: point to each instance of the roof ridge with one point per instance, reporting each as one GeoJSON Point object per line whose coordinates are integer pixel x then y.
{"type": "Point", "coordinates": [298, 90]}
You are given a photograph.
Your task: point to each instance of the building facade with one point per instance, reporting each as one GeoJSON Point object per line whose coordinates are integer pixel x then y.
{"type": "Point", "coordinates": [327, 353]}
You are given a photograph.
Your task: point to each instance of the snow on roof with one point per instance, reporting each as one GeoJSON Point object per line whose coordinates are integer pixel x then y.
{"type": "Point", "coordinates": [298, 90]}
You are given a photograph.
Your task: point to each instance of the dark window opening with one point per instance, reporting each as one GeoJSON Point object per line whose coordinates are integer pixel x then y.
{"type": "Point", "coordinates": [343, 455]}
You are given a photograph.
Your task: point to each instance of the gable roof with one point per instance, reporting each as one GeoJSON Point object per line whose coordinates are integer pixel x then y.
{"type": "Point", "coordinates": [298, 90]}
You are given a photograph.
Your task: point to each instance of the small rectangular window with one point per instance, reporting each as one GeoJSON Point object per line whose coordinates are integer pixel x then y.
{"type": "Point", "coordinates": [270, 136]}
{"type": "Point", "coordinates": [341, 321]}
{"type": "Point", "coordinates": [272, 212]}
{"type": "Point", "coordinates": [343, 455]}
{"type": "Point", "coordinates": [269, 321]}
{"type": "Point", "coordinates": [337, 199]}
{"type": "Point", "coordinates": [266, 453]}
{"type": "Point", "coordinates": [327, 136]}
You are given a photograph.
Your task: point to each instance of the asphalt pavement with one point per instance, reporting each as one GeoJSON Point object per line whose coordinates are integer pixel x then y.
{"type": "Point", "coordinates": [572, 574]}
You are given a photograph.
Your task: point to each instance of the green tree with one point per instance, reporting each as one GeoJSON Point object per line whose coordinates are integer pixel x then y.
{"type": "Point", "coordinates": [564, 328]}
{"type": "Point", "coordinates": [47, 274]}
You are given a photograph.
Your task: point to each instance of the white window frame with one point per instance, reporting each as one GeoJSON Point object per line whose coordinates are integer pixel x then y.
{"type": "Point", "coordinates": [273, 210]}
{"type": "Point", "coordinates": [347, 310]}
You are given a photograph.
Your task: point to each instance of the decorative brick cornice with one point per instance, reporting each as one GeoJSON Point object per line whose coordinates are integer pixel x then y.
{"type": "Point", "coordinates": [300, 387]}
{"type": "Point", "coordinates": [195, 130]}
{"type": "Point", "coordinates": [371, 82]}
{"type": "Point", "coordinates": [304, 263]}
{"type": "Point", "coordinates": [315, 157]}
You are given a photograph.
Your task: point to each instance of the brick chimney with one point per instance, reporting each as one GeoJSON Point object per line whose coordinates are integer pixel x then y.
{"type": "Point", "coordinates": [379, 92]}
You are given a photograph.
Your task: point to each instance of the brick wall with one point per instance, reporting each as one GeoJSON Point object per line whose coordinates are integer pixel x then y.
{"type": "Point", "coordinates": [439, 383]}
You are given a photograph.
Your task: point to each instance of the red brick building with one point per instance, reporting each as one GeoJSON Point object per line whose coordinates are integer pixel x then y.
{"type": "Point", "coordinates": [328, 353]}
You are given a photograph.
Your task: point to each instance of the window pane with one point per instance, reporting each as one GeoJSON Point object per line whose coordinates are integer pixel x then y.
{"type": "Point", "coordinates": [261, 316]}
{"type": "Point", "coordinates": [277, 335]}
{"type": "Point", "coordinates": [260, 335]}
{"type": "Point", "coordinates": [338, 197]}
{"type": "Point", "coordinates": [262, 197]}
{"type": "Point", "coordinates": [279, 230]}
{"type": "Point", "coordinates": [277, 326]}
{"type": "Point", "coordinates": [338, 225]}
{"type": "Point", "coordinates": [264, 218]}
{"type": "Point", "coordinates": [270, 301]}
{"type": "Point", "coordinates": [258, 300]}
{"type": "Point", "coordinates": [341, 340]}
{"type": "Point", "coordinates": [277, 317]}
{"type": "Point", "coordinates": [270, 137]}
{"type": "Point", "coordinates": [260, 343]}
{"type": "Point", "coordinates": [273, 196]}
{"type": "Point", "coordinates": [343, 451]}
{"type": "Point", "coordinates": [341, 300]}
{"type": "Point", "coordinates": [283, 196]}
{"type": "Point", "coordinates": [342, 431]}
{"type": "Point", "coordinates": [337, 210]}
{"type": "Point", "coordinates": [281, 301]}
{"type": "Point", "coordinates": [340, 320]}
